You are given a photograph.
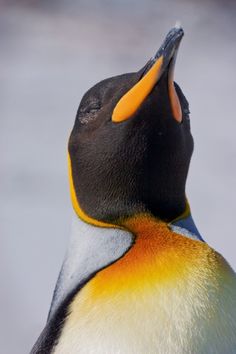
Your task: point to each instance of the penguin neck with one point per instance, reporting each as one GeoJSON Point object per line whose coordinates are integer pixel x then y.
{"type": "Point", "coordinates": [184, 224]}
{"type": "Point", "coordinates": [146, 224]}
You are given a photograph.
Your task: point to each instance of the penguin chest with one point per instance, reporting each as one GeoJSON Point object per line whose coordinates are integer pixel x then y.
{"type": "Point", "coordinates": [132, 323]}
{"type": "Point", "coordinates": [149, 302]}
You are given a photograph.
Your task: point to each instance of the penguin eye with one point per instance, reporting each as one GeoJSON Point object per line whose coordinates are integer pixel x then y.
{"type": "Point", "coordinates": [94, 107]}
{"type": "Point", "coordinates": [91, 107]}
{"type": "Point", "coordinates": [88, 112]}
{"type": "Point", "coordinates": [186, 112]}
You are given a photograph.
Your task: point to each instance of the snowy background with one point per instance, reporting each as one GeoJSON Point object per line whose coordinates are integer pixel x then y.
{"type": "Point", "coordinates": [51, 52]}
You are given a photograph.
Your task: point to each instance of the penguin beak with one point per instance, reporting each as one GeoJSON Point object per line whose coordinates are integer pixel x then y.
{"type": "Point", "coordinates": [163, 60]}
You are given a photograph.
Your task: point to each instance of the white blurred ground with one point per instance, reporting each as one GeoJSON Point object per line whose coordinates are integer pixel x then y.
{"type": "Point", "coordinates": [49, 56]}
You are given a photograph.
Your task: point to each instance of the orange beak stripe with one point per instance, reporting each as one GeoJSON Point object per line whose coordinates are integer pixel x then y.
{"type": "Point", "coordinates": [174, 99]}
{"type": "Point", "coordinates": [131, 101]}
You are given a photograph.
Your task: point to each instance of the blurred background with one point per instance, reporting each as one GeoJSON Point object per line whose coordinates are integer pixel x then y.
{"type": "Point", "coordinates": [51, 52]}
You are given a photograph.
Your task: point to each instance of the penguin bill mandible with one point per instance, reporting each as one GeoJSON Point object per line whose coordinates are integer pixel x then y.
{"type": "Point", "coordinates": [137, 277]}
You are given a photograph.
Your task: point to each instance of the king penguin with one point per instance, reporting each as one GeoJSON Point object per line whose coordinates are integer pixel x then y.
{"type": "Point", "coordinates": [137, 277]}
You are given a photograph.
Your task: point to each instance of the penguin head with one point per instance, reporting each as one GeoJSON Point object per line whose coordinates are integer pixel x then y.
{"type": "Point", "coordinates": [131, 145]}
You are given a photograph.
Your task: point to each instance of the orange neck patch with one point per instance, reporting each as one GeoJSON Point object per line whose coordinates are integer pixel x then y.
{"type": "Point", "coordinates": [157, 256]}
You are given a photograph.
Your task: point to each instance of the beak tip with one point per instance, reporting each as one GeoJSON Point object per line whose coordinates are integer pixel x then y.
{"type": "Point", "coordinates": [178, 25]}
{"type": "Point", "coordinates": [171, 42]}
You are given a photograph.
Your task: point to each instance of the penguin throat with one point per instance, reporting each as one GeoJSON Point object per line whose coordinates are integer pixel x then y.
{"type": "Point", "coordinates": [145, 224]}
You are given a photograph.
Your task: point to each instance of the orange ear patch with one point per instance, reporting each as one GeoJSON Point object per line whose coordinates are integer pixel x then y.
{"type": "Point", "coordinates": [75, 203]}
